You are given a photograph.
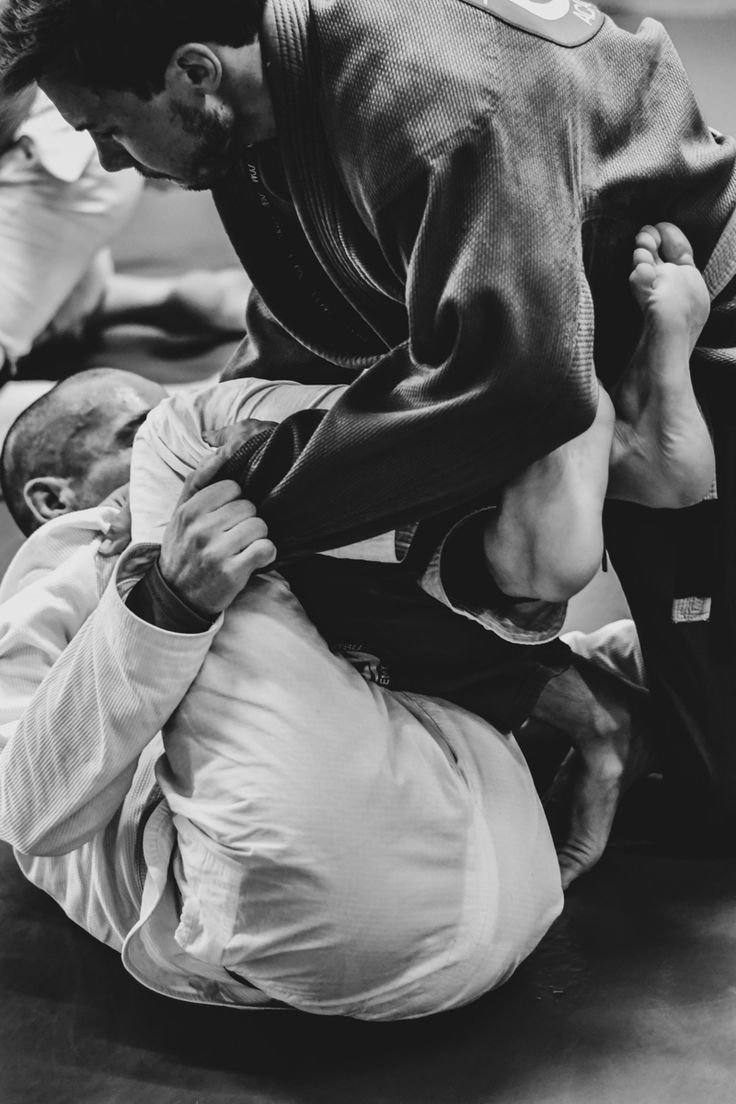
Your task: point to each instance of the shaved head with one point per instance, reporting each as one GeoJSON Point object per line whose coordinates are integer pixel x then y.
{"type": "Point", "coordinates": [77, 437]}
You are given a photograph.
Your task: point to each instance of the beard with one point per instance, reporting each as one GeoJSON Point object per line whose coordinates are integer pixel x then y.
{"type": "Point", "coordinates": [212, 151]}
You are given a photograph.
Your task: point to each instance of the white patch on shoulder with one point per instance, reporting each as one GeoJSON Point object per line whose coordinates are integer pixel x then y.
{"type": "Point", "coordinates": [564, 22]}
{"type": "Point", "coordinates": [688, 610]}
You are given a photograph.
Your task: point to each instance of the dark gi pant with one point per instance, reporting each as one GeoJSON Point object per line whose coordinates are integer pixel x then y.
{"type": "Point", "coordinates": [678, 571]}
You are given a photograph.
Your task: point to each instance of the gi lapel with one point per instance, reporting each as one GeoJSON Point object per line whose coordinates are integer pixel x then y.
{"type": "Point", "coordinates": [346, 249]}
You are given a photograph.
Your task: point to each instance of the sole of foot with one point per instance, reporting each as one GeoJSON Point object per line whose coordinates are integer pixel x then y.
{"type": "Point", "coordinates": [662, 454]}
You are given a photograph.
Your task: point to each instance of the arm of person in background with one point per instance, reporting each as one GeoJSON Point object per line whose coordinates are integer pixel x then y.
{"type": "Point", "coordinates": [497, 370]}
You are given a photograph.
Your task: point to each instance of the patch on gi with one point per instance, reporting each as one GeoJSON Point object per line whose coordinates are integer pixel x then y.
{"type": "Point", "coordinates": [565, 22]}
{"type": "Point", "coordinates": [687, 610]}
{"type": "Point", "coordinates": [365, 663]}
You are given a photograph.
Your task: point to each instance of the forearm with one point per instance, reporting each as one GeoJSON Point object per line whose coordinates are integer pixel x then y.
{"type": "Point", "coordinates": [70, 761]}
{"type": "Point", "coordinates": [152, 599]}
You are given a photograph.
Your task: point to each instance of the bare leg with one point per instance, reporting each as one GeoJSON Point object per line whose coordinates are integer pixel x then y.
{"type": "Point", "coordinates": [546, 539]}
{"type": "Point", "coordinates": [196, 301]}
{"type": "Point", "coordinates": [662, 454]}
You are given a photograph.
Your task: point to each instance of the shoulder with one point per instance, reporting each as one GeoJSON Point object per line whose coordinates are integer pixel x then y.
{"type": "Point", "coordinates": [400, 81]}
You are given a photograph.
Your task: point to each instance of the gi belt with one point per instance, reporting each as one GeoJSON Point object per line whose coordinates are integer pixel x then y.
{"type": "Point", "coordinates": [721, 268]}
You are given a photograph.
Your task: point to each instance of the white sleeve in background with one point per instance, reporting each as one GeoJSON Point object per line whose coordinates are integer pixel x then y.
{"type": "Point", "coordinates": [87, 692]}
{"type": "Point", "coordinates": [171, 443]}
{"type": "Point", "coordinates": [58, 210]}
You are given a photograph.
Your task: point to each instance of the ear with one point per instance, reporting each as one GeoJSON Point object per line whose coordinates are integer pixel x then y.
{"type": "Point", "coordinates": [49, 496]}
{"type": "Point", "coordinates": [193, 68]}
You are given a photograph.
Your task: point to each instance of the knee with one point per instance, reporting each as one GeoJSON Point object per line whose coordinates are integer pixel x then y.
{"type": "Point", "coordinates": [559, 581]}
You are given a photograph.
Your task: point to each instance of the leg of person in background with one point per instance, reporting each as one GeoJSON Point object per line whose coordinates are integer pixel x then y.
{"type": "Point", "coordinates": [193, 302]}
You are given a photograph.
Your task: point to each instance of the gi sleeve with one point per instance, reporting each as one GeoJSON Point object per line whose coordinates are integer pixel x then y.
{"type": "Point", "coordinates": [174, 441]}
{"type": "Point", "coordinates": [68, 762]}
{"type": "Point", "coordinates": [496, 372]}
{"type": "Point", "coordinates": [268, 352]}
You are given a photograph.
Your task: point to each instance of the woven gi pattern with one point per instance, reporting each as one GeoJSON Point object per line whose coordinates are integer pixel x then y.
{"type": "Point", "coordinates": [441, 159]}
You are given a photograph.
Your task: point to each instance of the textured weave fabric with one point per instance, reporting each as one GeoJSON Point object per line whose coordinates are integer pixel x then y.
{"type": "Point", "coordinates": [466, 186]}
{"type": "Point", "coordinates": [76, 770]}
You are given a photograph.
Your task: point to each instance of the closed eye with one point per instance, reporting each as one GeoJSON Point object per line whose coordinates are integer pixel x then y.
{"type": "Point", "coordinates": [126, 434]}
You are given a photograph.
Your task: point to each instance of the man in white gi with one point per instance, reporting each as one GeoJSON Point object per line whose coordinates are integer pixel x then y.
{"type": "Point", "coordinates": [316, 840]}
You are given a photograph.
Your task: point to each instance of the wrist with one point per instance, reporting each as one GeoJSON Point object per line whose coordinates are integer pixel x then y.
{"type": "Point", "coordinates": [154, 599]}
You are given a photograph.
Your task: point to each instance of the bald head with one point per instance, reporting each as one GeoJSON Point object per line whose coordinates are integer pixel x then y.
{"type": "Point", "coordinates": [72, 448]}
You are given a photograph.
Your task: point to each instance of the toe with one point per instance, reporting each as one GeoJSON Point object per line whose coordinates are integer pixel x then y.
{"type": "Point", "coordinates": [675, 247]}
{"type": "Point", "coordinates": [642, 279]}
{"type": "Point", "coordinates": [649, 238]}
{"type": "Point", "coordinates": [642, 256]}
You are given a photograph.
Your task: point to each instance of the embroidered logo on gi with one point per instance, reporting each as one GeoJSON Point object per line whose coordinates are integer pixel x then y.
{"type": "Point", "coordinates": [365, 663]}
{"type": "Point", "coordinates": [565, 22]}
{"type": "Point", "coordinates": [687, 610]}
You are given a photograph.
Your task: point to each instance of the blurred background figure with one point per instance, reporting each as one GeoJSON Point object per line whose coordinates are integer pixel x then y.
{"type": "Point", "coordinates": [59, 212]}
{"type": "Point", "coordinates": [60, 293]}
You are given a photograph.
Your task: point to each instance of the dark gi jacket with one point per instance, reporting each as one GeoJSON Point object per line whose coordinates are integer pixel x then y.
{"type": "Point", "coordinates": [464, 185]}
{"type": "Point", "coordinates": [450, 212]}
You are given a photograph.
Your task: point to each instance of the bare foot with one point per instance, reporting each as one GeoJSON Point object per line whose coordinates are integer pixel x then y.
{"type": "Point", "coordinates": [607, 722]}
{"type": "Point", "coordinates": [209, 300]}
{"type": "Point", "coordinates": [662, 453]}
{"type": "Point", "coordinates": [546, 539]}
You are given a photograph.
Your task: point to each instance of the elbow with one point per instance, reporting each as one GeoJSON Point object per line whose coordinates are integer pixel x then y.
{"type": "Point", "coordinates": [34, 845]}
{"type": "Point", "coordinates": [32, 840]}
{"type": "Point", "coordinates": [559, 582]}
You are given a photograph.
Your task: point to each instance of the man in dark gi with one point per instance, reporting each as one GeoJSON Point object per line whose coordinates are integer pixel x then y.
{"type": "Point", "coordinates": [438, 197]}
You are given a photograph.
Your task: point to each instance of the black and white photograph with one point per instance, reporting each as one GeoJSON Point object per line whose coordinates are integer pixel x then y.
{"type": "Point", "coordinates": [367, 551]}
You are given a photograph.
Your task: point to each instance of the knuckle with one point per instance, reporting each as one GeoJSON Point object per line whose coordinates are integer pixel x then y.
{"type": "Point", "coordinates": [257, 529]}
{"type": "Point", "coordinates": [230, 488]}
{"type": "Point", "coordinates": [184, 512]}
{"type": "Point", "coordinates": [266, 551]}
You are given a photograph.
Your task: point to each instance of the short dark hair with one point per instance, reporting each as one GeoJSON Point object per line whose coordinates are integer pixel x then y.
{"type": "Point", "coordinates": [121, 45]}
{"type": "Point", "coordinates": [45, 439]}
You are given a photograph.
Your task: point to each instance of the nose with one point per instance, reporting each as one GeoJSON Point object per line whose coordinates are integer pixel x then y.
{"type": "Point", "coordinates": [113, 157]}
